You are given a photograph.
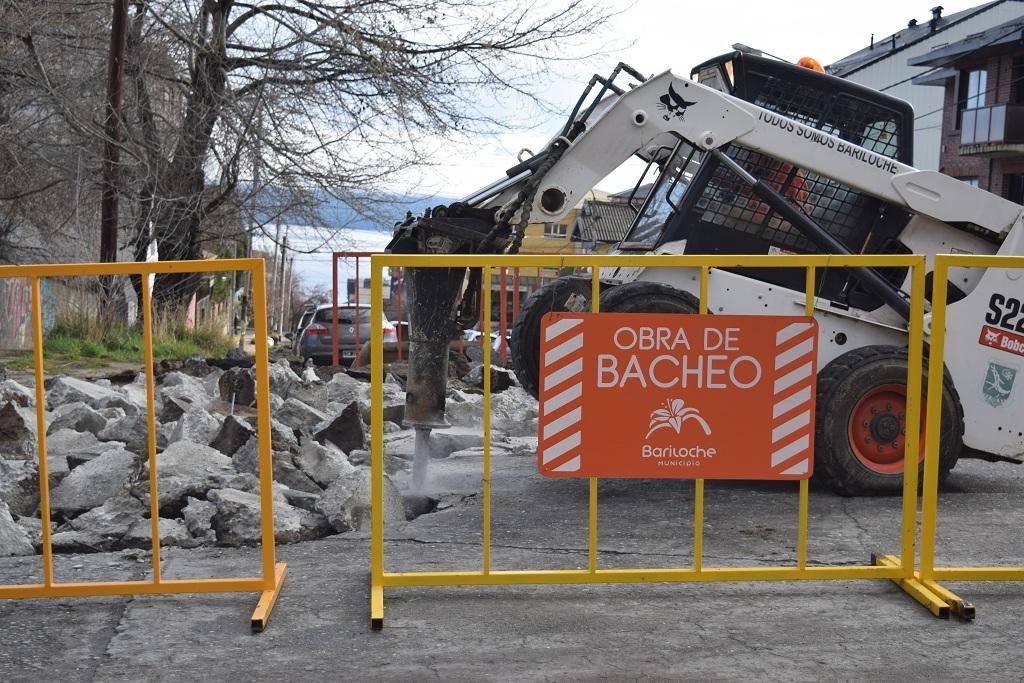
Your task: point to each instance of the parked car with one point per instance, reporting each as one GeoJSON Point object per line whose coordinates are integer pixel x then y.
{"type": "Point", "coordinates": [317, 342]}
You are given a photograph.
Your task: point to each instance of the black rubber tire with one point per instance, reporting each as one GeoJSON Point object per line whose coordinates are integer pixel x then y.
{"type": "Point", "coordinates": [841, 384]}
{"type": "Point", "coordinates": [567, 293]}
{"type": "Point", "coordinates": [648, 297]}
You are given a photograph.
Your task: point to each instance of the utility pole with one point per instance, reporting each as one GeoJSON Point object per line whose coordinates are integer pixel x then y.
{"type": "Point", "coordinates": [112, 126]}
{"type": "Point", "coordinates": [281, 284]}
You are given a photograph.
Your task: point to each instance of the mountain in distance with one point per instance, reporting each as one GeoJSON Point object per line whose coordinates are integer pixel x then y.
{"type": "Point", "coordinates": [374, 213]}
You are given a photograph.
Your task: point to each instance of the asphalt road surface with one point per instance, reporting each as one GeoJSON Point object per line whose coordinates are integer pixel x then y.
{"type": "Point", "coordinates": [319, 629]}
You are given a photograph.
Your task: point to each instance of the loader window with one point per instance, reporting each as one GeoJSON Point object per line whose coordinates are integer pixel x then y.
{"type": "Point", "coordinates": [664, 197]}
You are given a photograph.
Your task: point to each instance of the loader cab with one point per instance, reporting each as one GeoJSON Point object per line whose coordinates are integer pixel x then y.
{"type": "Point", "coordinates": [698, 203]}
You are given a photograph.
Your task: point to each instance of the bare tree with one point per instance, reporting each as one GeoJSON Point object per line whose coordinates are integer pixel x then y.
{"type": "Point", "coordinates": [250, 112]}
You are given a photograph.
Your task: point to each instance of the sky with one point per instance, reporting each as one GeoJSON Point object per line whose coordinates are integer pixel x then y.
{"type": "Point", "coordinates": [652, 36]}
{"type": "Point", "coordinates": [655, 35]}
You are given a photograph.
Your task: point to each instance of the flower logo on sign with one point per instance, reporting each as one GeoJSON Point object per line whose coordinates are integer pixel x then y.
{"type": "Point", "coordinates": [674, 415]}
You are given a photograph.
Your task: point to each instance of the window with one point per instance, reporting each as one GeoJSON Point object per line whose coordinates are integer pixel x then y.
{"type": "Point", "coordinates": [971, 180]}
{"type": "Point", "coordinates": [971, 95]}
{"type": "Point", "coordinates": [554, 229]}
{"type": "Point", "coordinates": [1016, 84]}
{"type": "Point", "coordinates": [1013, 187]}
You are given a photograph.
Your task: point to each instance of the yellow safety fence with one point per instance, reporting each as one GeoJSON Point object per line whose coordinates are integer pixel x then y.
{"type": "Point", "coordinates": [269, 584]}
{"type": "Point", "coordinates": [897, 568]}
{"type": "Point", "coordinates": [929, 574]}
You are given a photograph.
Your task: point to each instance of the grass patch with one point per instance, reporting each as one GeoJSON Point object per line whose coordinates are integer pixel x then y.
{"type": "Point", "coordinates": [94, 345]}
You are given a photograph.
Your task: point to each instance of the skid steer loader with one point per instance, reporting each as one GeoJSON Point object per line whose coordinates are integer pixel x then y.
{"type": "Point", "coordinates": [755, 156]}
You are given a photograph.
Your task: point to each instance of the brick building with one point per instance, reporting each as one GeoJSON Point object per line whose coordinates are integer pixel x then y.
{"type": "Point", "coordinates": [982, 139]}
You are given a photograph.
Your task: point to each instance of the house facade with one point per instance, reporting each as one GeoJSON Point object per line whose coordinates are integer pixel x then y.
{"type": "Point", "coordinates": [982, 88]}
{"type": "Point", "coordinates": [889, 64]}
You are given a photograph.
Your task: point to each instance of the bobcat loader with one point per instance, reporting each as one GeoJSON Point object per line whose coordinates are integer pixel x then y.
{"type": "Point", "coordinates": [758, 156]}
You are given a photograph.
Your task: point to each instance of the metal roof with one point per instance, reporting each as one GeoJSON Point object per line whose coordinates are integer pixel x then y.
{"type": "Point", "coordinates": [884, 48]}
{"type": "Point", "coordinates": [1010, 32]}
{"type": "Point", "coordinates": [598, 221]}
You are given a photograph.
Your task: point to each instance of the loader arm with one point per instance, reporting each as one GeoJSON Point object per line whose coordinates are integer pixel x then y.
{"type": "Point", "coordinates": [668, 107]}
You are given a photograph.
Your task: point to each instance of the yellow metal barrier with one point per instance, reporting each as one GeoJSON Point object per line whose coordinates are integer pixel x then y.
{"type": "Point", "coordinates": [929, 574]}
{"type": "Point", "coordinates": [269, 584]}
{"type": "Point", "coordinates": [899, 569]}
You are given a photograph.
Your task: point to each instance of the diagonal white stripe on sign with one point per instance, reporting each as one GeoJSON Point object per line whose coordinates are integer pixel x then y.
{"type": "Point", "coordinates": [790, 426]}
{"type": "Point", "coordinates": [557, 328]}
{"type": "Point", "coordinates": [559, 400]}
{"type": "Point", "coordinates": [799, 468]}
{"type": "Point", "coordinates": [787, 404]}
{"type": "Point", "coordinates": [562, 447]}
{"type": "Point", "coordinates": [555, 426]}
{"type": "Point", "coordinates": [791, 378]}
{"type": "Point", "coordinates": [563, 349]}
{"type": "Point", "coordinates": [790, 331]}
{"type": "Point", "coordinates": [569, 465]}
{"type": "Point", "coordinates": [791, 449]}
{"type": "Point", "coordinates": [560, 375]}
{"type": "Point", "coordinates": [794, 352]}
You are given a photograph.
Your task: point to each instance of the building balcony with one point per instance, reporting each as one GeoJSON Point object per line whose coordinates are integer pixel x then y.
{"type": "Point", "coordinates": [993, 131]}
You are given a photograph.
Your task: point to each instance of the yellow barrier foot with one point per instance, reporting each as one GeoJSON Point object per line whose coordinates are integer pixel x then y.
{"type": "Point", "coordinates": [957, 605]}
{"type": "Point", "coordinates": [268, 598]}
{"type": "Point", "coordinates": [376, 607]}
{"type": "Point", "coordinates": [914, 587]}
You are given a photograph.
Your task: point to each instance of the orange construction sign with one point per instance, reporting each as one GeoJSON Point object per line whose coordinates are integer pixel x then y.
{"type": "Point", "coordinates": [677, 396]}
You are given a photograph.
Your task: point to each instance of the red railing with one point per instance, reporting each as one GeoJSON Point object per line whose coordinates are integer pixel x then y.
{"type": "Point", "coordinates": [397, 276]}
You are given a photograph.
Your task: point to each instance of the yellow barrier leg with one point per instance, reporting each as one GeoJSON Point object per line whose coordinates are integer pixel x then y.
{"type": "Point", "coordinates": [377, 607]}
{"type": "Point", "coordinates": [957, 605]}
{"type": "Point", "coordinates": [268, 598]}
{"type": "Point", "coordinates": [914, 587]}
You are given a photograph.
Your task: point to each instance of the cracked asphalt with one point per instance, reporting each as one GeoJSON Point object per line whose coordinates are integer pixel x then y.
{"type": "Point", "coordinates": [319, 629]}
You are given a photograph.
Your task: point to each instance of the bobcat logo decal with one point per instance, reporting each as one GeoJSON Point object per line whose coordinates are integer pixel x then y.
{"type": "Point", "coordinates": [673, 104]}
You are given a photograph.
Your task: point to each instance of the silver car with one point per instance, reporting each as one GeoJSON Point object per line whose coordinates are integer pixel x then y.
{"type": "Point", "coordinates": [317, 342]}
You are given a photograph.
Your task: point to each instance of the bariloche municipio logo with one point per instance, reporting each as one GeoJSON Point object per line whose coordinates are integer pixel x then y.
{"type": "Point", "coordinates": [998, 384]}
{"type": "Point", "coordinates": [674, 415]}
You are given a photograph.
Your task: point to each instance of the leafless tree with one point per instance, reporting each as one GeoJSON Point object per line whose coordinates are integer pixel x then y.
{"type": "Point", "coordinates": [244, 113]}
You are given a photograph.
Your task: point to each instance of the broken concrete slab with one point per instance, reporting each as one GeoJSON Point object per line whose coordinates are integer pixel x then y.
{"type": "Point", "coordinates": [346, 503]}
{"type": "Point", "coordinates": [100, 528]}
{"type": "Point", "coordinates": [237, 520]}
{"type": "Point", "coordinates": [282, 378]}
{"type": "Point", "coordinates": [93, 483]}
{"type": "Point", "coordinates": [64, 389]}
{"type": "Point", "coordinates": [13, 539]}
{"type": "Point", "coordinates": [173, 533]}
{"type": "Point", "coordinates": [344, 389]}
{"type": "Point", "coordinates": [17, 432]}
{"type": "Point", "coordinates": [197, 515]}
{"type": "Point", "coordinates": [195, 425]}
{"type": "Point", "coordinates": [237, 386]}
{"type": "Point", "coordinates": [79, 417]}
{"type": "Point", "coordinates": [345, 431]}
{"type": "Point", "coordinates": [185, 469]}
{"type": "Point", "coordinates": [17, 393]}
{"type": "Point", "coordinates": [297, 415]}
{"type": "Point", "coordinates": [323, 463]}
{"type": "Point", "coordinates": [288, 474]}
{"type": "Point", "coordinates": [177, 399]}
{"type": "Point", "coordinates": [19, 486]}
{"type": "Point", "coordinates": [501, 378]}
{"type": "Point", "coordinates": [232, 435]}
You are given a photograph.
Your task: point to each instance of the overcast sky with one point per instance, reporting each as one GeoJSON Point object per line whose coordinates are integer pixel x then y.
{"type": "Point", "coordinates": [660, 34]}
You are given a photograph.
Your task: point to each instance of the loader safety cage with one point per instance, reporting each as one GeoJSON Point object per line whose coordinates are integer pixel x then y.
{"type": "Point", "coordinates": [929, 574]}
{"type": "Point", "coordinates": [273, 573]}
{"type": "Point", "coordinates": [897, 568]}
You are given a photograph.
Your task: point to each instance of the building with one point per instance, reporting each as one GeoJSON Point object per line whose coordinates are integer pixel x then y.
{"type": "Point", "coordinates": [889, 64]}
{"type": "Point", "coordinates": [981, 80]}
{"type": "Point", "coordinates": [600, 225]}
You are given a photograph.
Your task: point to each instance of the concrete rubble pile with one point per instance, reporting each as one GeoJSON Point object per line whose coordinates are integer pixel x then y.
{"type": "Point", "coordinates": [97, 442]}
